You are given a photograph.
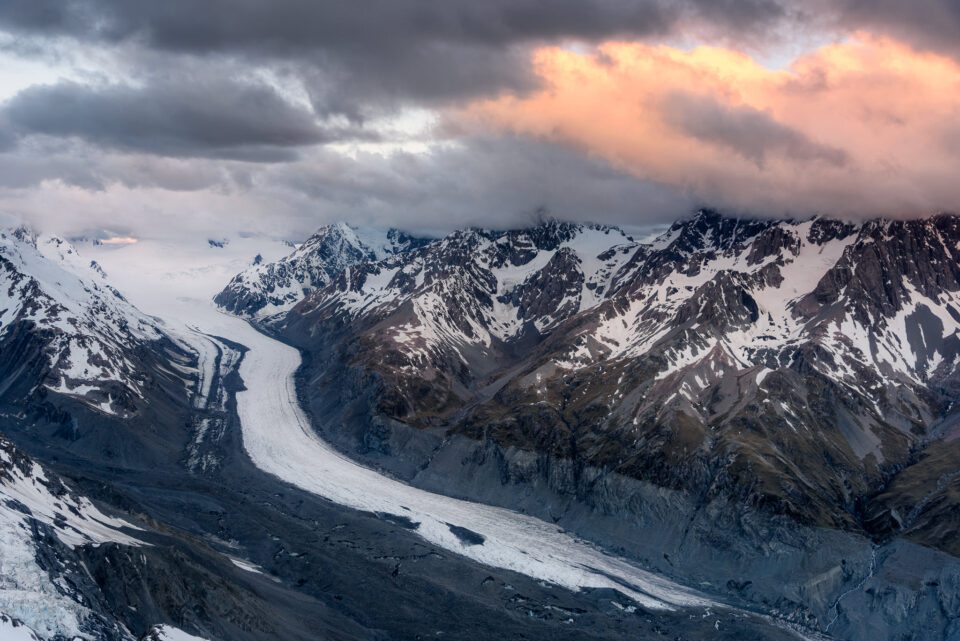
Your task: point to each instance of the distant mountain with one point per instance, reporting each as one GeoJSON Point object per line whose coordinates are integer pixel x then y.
{"type": "Point", "coordinates": [267, 289]}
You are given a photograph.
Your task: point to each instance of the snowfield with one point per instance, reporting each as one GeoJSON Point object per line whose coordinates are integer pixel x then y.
{"type": "Point", "coordinates": [279, 439]}
{"type": "Point", "coordinates": [169, 633]}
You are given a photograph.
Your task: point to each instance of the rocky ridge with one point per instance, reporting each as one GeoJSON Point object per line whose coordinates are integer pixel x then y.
{"type": "Point", "coordinates": [269, 289]}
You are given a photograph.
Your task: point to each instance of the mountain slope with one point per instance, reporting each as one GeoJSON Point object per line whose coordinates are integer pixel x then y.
{"type": "Point", "coordinates": [765, 407]}
{"type": "Point", "coordinates": [66, 333]}
{"type": "Point", "coordinates": [42, 520]}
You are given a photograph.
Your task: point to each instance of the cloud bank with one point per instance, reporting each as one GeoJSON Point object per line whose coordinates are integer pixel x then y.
{"type": "Point", "coordinates": [866, 127]}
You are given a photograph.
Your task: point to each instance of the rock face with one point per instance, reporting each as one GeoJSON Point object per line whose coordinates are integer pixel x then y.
{"type": "Point", "coordinates": [793, 372]}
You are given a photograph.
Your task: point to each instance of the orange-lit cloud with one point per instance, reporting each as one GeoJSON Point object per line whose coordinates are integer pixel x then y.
{"type": "Point", "coordinates": [120, 240]}
{"type": "Point", "coordinates": [865, 127]}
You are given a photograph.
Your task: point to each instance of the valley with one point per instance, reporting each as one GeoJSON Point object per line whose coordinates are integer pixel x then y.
{"type": "Point", "coordinates": [486, 436]}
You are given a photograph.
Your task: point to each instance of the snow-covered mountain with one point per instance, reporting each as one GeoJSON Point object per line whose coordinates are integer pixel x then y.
{"type": "Point", "coordinates": [89, 338]}
{"type": "Point", "coordinates": [221, 548]}
{"type": "Point", "coordinates": [65, 329]}
{"type": "Point", "coordinates": [479, 288]}
{"type": "Point", "coordinates": [762, 411]}
{"type": "Point", "coordinates": [268, 289]}
{"type": "Point", "coordinates": [801, 361]}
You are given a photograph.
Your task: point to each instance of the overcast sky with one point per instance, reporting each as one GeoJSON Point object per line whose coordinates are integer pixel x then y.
{"type": "Point", "coordinates": [156, 119]}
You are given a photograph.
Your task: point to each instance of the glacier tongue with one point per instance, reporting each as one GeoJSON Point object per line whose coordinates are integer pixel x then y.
{"type": "Point", "coordinates": [278, 437]}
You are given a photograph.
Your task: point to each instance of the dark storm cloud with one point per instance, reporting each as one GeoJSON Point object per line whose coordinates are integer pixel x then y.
{"type": "Point", "coordinates": [362, 58]}
{"type": "Point", "coordinates": [748, 132]}
{"type": "Point", "coordinates": [374, 28]}
{"type": "Point", "coordinates": [357, 87]}
{"type": "Point", "coordinates": [216, 118]}
{"type": "Point", "coordinates": [927, 24]}
{"type": "Point", "coordinates": [286, 26]}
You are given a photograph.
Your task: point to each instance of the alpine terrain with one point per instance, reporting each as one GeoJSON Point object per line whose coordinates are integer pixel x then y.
{"type": "Point", "coordinates": [766, 408]}
{"type": "Point", "coordinates": [733, 429]}
{"type": "Point", "coordinates": [479, 320]}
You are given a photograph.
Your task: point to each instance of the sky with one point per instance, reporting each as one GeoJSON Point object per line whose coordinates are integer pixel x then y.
{"type": "Point", "coordinates": [213, 118]}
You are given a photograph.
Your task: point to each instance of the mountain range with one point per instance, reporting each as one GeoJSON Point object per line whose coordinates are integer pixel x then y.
{"type": "Point", "coordinates": [795, 365]}
{"type": "Point", "coordinates": [722, 380]}
{"type": "Point", "coordinates": [762, 411]}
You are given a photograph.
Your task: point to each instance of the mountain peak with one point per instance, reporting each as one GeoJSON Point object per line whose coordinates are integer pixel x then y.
{"type": "Point", "coordinates": [267, 289]}
{"type": "Point", "coordinates": [23, 233]}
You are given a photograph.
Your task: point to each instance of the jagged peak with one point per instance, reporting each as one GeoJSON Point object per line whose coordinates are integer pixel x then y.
{"type": "Point", "coordinates": [710, 229]}
{"type": "Point", "coordinates": [728, 226]}
{"type": "Point", "coordinates": [21, 233]}
{"type": "Point", "coordinates": [367, 239]}
{"type": "Point", "coordinates": [547, 234]}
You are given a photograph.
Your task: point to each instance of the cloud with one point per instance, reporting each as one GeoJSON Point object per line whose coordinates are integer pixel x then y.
{"type": "Point", "coordinates": [285, 26]}
{"type": "Point", "coordinates": [748, 132]}
{"type": "Point", "coordinates": [8, 138]}
{"type": "Point", "coordinates": [208, 117]}
{"type": "Point", "coordinates": [483, 181]}
{"type": "Point", "coordinates": [119, 240]}
{"type": "Point", "coordinates": [209, 113]}
{"type": "Point", "coordinates": [451, 49]}
{"type": "Point", "coordinates": [926, 24]}
{"type": "Point", "coordinates": [34, 163]}
{"type": "Point", "coordinates": [849, 129]}
{"type": "Point", "coordinates": [364, 58]}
